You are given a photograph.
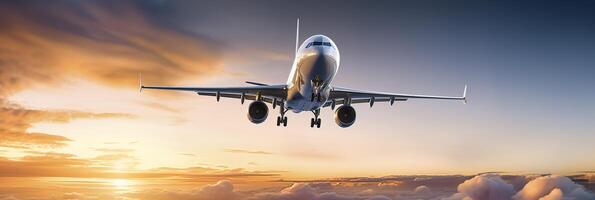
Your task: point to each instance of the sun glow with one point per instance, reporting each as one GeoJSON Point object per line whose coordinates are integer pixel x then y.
{"type": "Point", "coordinates": [121, 183]}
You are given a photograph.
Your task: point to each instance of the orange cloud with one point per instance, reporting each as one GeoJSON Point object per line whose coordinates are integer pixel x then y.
{"type": "Point", "coordinates": [51, 164]}
{"type": "Point", "coordinates": [93, 41]}
{"type": "Point", "coordinates": [89, 40]}
{"type": "Point", "coordinates": [246, 151]}
{"type": "Point", "coordinates": [117, 150]}
{"type": "Point", "coordinates": [15, 120]}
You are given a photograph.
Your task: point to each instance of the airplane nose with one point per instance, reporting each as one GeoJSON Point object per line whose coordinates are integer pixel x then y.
{"type": "Point", "coordinates": [319, 63]}
{"type": "Point", "coordinates": [322, 51]}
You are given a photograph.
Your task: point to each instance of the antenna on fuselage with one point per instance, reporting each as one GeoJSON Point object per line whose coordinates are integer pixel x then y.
{"type": "Point", "coordinates": [297, 35]}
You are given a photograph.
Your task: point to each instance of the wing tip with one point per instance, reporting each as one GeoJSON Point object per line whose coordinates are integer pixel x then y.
{"type": "Point", "coordinates": [140, 82]}
{"type": "Point", "coordinates": [465, 95]}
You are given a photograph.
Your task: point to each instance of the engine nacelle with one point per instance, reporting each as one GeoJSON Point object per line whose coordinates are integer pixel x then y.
{"type": "Point", "coordinates": [345, 116]}
{"type": "Point", "coordinates": [258, 112]}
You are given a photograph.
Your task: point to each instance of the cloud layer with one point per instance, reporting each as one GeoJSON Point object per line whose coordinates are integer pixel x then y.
{"type": "Point", "coordinates": [223, 185]}
{"type": "Point", "coordinates": [480, 187]}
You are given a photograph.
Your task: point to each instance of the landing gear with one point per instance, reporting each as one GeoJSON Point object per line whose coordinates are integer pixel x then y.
{"type": "Point", "coordinates": [315, 121]}
{"type": "Point", "coordinates": [282, 119]}
{"type": "Point", "coordinates": [317, 84]}
{"type": "Point", "coordinates": [315, 96]}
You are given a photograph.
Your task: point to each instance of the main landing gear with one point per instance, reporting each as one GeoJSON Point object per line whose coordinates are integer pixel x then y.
{"type": "Point", "coordinates": [282, 119]}
{"type": "Point", "coordinates": [315, 121]}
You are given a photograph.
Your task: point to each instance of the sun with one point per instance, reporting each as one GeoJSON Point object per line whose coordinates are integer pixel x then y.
{"type": "Point", "coordinates": [120, 183]}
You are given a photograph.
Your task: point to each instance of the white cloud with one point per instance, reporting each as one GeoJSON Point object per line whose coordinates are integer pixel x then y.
{"type": "Point", "coordinates": [555, 194]}
{"type": "Point", "coordinates": [303, 191]}
{"type": "Point", "coordinates": [493, 187]}
{"type": "Point", "coordinates": [484, 187]}
{"type": "Point", "coordinates": [222, 190]}
{"type": "Point", "coordinates": [552, 186]}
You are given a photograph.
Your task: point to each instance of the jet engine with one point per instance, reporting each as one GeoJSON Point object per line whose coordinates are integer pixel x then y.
{"type": "Point", "coordinates": [258, 112]}
{"type": "Point", "coordinates": [345, 116]}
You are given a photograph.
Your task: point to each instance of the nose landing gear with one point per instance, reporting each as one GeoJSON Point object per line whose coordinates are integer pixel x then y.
{"type": "Point", "coordinates": [315, 96]}
{"type": "Point", "coordinates": [315, 121]}
{"type": "Point", "coordinates": [316, 86]}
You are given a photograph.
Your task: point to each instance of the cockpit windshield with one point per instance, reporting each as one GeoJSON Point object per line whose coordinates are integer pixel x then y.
{"type": "Point", "coordinates": [319, 44]}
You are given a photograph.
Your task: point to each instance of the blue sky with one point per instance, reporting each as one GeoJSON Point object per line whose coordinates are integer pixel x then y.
{"type": "Point", "coordinates": [527, 64]}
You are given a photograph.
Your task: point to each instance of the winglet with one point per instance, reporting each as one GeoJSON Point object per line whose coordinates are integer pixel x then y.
{"type": "Point", "coordinates": [140, 82]}
{"type": "Point", "coordinates": [297, 35]}
{"type": "Point", "coordinates": [465, 95]}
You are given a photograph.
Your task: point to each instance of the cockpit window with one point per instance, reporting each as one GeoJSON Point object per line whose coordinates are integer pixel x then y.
{"type": "Point", "coordinates": [319, 44]}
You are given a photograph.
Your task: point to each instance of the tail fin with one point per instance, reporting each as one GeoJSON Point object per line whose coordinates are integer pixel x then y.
{"type": "Point", "coordinates": [297, 35]}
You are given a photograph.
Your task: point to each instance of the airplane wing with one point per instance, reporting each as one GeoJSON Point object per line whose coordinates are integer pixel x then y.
{"type": "Point", "coordinates": [339, 95]}
{"type": "Point", "coordinates": [268, 93]}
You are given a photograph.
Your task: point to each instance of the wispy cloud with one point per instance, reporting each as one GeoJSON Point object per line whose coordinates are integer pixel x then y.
{"type": "Point", "coordinates": [51, 164]}
{"type": "Point", "coordinates": [113, 150]}
{"type": "Point", "coordinates": [92, 40]}
{"type": "Point", "coordinates": [311, 154]}
{"type": "Point", "coordinates": [16, 120]}
{"type": "Point", "coordinates": [247, 151]}
{"type": "Point", "coordinates": [160, 106]}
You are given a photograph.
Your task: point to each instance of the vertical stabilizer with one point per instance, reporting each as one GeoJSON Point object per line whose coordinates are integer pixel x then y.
{"type": "Point", "coordinates": [297, 35]}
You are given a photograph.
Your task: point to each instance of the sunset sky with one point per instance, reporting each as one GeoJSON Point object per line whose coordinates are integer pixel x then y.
{"type": "Point", "coordinates": [73, 124]}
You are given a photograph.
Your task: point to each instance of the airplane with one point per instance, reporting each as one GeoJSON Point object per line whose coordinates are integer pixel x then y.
{"type": "Point", "coordinates": [308, 88]}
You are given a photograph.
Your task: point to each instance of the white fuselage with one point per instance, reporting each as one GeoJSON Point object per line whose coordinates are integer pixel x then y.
{"type": "Point", "coordinates": [316, 64]}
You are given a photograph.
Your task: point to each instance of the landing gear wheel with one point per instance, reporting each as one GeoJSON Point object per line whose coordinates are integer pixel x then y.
{"type": "Point", "coordinates": [312, 97]}
{"type": "Point", "coordinates": [281, 121]}
{"type": "Point", "coordinates": [318, 122]}
{"type": "Point", "coordinates": [318, 98]}
{"type": "Point", "coordinates": [315, 122]}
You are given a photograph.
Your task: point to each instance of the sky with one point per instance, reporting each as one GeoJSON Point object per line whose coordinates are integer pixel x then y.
{"type": "Point", "coordinates": [73, 124]}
